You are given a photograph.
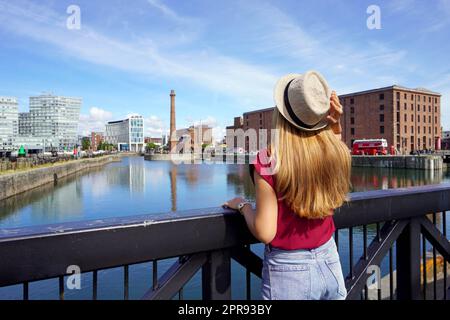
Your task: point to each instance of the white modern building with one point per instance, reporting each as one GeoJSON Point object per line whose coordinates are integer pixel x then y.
{"type": "Point", "coordinates": [127, 134]}
{"type": "Point", "coordinates": [54, 118]}
{"type": "Point", "coordinates": [9, 121]}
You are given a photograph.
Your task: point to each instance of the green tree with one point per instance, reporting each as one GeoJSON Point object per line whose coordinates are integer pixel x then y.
{"type": "Point", "coordinates": [86, 143]}
{"type": "Point", "coordinates": [151, 146]}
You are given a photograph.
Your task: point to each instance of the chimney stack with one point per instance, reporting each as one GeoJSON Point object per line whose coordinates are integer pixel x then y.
{"type": "Point", "coordinates": [173, 127]}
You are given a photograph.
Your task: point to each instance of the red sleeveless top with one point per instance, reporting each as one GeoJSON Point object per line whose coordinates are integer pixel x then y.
{"type": "Point", "coordinates": [293, 232]}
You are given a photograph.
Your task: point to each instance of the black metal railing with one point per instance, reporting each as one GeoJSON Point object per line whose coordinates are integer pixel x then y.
{"type": "Point", "coordinates": [405, 226]}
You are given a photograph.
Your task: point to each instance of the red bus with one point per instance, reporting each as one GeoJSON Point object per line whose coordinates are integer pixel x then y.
{"type": "Point", "coordinates": [370, 147]}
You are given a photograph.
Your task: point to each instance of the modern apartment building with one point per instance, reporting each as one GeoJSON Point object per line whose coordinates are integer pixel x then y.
{"type": "Point", "coordinates": [409, 119]}
{"type": "Point", "coordinates": [127, 134]}
{"type": "Point", "coordinates": [9, 121]}
{"type": "Point", "coordinates": [52, 117]}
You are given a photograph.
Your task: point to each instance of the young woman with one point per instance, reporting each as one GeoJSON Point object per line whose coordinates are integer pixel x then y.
{"type": "Point", "coordinates": [299, 181]}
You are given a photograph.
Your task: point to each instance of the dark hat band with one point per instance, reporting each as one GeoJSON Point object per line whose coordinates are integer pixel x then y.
{"type": "Point", "coordinates": [291, 112]}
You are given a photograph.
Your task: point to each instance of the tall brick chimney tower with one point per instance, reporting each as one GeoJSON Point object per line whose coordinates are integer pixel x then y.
{"type": "Point", "coordinates": [173, 126]}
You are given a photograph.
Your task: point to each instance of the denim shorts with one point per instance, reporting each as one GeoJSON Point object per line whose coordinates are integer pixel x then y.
{"type": "Point", "coordinates": [314, 274]}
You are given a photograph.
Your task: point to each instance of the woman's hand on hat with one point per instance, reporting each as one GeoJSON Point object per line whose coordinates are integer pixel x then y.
{"type": "Point", "coordinates": [335, 113]}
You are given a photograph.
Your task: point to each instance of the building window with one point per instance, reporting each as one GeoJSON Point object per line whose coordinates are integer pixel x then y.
{"type": "Point", "coordinates": [429, 142]}
{"type": "Point", "coordinates": [352, 110]}
{"type": "Point", "coordinates": [412, 97]}
{"type": "Point", "coordinates": [352, 120]}
{"type": "Point", "coordinates": [381, 117]}
{"type": "Point", "coordinates": [412, 107]}
{"type": "Point", "coordinates": [435, 109]}
{"type": "Point", "coordinates": [418, 107]}
{"type": "Point", "coordinates": [405, 117]}
{"type": "Point", "coordinates": [435, 100]}
{"type": "Point", "coordinates": [412, 129]}
{"type": "Point", "coordinates": [406, 129]}
{"type": "Point", "coordinates": [418, 118]}
{"type": "Point", "coordinates": [381, 129]}
{"type": "Point", "coordinates": [424, 108]}
{"type": "Point", "coordinates": [435, 130]}
{"type": "Point", "coordinates": [352, 100]}
{"type": "Point", "coordinates": [424, 119]}
{"type": "Point", "coordinates": [429, 99]}
{"type": "Point", "coordinates": [418, 98]}
{"type": "Point", "coordinates": [418, 130]}
{"type": "Point", "coordinates": [398, 105]}
{"type": "Point", "coordinates": [435, 119]}
{"type": "Point", "coordinates": [429, 130]}
{"type": "Point", "coordinates": [398, 95]}
{"type": "Point", "coordinates": [405, 96]}
{"type": "Point", "coordinates": [406, 106]}
{"type": "Point", "coordinates": [352, 131]}
{"type": "Point", "coordinates": [429, 108]}
{"type": "Point", "coordinates": [381, 96]}
{"type": "Point", "coordinates": [398, 116]}
{"type": "Point", "coordinates": [382, 107]}
{"type": "Point", "coordinates": [429, 119]}
{"type": "Point", "coordinates": [412, 118]}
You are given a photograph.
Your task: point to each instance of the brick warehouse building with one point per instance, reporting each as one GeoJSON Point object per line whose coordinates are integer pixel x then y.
{"type": "Point", "coordinates": [409, 119]}
{"type": "Point", "coordinates": [258, 119]}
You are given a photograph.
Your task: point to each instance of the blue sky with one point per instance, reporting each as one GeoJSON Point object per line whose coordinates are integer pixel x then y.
{"type": "Point", "coordinates": [222, 57]}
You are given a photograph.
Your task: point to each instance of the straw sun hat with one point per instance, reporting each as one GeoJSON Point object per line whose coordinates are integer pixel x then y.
{"type": "Point", "coordinates": [304, 100]}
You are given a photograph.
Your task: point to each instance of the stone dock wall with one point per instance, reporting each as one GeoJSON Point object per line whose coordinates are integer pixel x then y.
{"type": "Point", "coordinates": [399, 162]}
{"type": "Point", "coordinates": [18, 182]}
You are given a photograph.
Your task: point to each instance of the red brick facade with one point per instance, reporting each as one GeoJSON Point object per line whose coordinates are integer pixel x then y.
{"type": "Point", "coordinates": [409, 119]}
{"type": "Point", "coordinates": [96, 139]}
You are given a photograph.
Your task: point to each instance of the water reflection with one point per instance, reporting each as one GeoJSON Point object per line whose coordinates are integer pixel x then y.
{"type": "Point", "coordinates": [364, 179]}
{"type": "Point", "coordinates": [134, 186]}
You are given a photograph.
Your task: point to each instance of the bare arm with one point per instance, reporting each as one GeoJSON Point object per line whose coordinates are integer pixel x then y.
{"type": "Point", "coordinates": [336, 111]}
{"type": "Point", "coordinates": [261, 222]}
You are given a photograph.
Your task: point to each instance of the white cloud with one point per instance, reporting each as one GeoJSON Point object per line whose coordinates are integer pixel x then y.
{"type": "Point", "coordinates": [154, 127]}
{"type": "Point", "coordinates": [94, 121]}
{"type": "Point", "coordinates": [246, 82]}
{"type": "Point", "coordinates": [401, 5]}
{"type": "Point", "coordinates": [165, 10]}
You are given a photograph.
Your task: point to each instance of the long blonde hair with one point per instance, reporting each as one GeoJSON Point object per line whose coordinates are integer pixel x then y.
{"type": "Point", "coordinates": [312, 169]}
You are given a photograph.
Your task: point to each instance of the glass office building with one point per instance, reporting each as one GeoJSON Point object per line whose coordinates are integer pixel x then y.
{"type": "Point", "coordinates": [9, 121]}
{"type": "Point", "coordinates": [126, 135]}
{"type": "Point", "coordinates": [52, 117]}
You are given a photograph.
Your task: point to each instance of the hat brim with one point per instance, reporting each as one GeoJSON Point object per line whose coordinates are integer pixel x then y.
{"type": "Point", "coordinates": [280, 88]}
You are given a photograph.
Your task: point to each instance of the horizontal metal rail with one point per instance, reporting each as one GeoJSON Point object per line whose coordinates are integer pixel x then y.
{"type": "Point", "coordinates": [43, 252]}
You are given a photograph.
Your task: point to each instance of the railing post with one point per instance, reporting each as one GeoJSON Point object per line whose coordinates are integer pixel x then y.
{"type": "Point", "coordinates": [408, 262]}
{"type": "Point", "coordinates": [216, 276]}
